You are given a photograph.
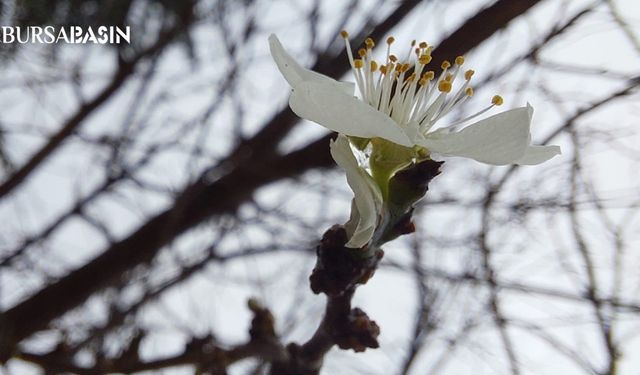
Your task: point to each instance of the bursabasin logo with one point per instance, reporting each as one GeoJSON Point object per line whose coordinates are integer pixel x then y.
{"type": "Point", "coordinates": [68, 34]}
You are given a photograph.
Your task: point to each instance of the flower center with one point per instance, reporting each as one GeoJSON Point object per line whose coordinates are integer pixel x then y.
{"type": "Point", "coordinates": [406, 90]}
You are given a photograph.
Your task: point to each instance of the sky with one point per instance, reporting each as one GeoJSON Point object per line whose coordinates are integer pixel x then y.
{"type": "Point", "coordinates": [187, 89]}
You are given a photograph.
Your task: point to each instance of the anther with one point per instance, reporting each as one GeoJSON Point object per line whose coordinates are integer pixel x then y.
{"type": "Point", "coordinates": [390, 40]}
{"type": "Point", "coordinates": [362, 52]}
{"type": "Point", "coordinates": [445, 64]}
{"type": "Point", "coordinates": [424, 59]}
{"type": "Point", "coordinates": [357, 63]}
{"type": "Point", "coordinates": [444, 86]}
{"type": "Point", "coordinates": [469, 91]}
{"type": "Point", "coordinates": [497, 100]}
{"type": "Point", "coordinates": [448, 77]}
{"type": "Point", "coordinates": [393, 58]}
{"type": "Point", "coordinates": [369, 43]}
{"type": "Point", "coordinates": [374, 66]}
{"type": "Point", "coordinates": [344, 34]}
{"type": "Point", "coordinates": [459, 60]}
{"type": "Point", "coordinates": [423, 45]}
{"type": "Point", "coordinates": [468, 74]}
{"type": "Point", "coordinates": [383, 69]}
{"type": "Point", "coordinates": [429, 75]}
{"type": "Point", "coordinates": [413, 43]}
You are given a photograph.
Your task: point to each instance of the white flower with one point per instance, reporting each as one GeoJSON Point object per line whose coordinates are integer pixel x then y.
{"type": "Point", "coordinates": [403, 108]}
{"type": "Point", "coordinates": [367, 202]}
{"type": "Point", "coordinates": [397, 111]}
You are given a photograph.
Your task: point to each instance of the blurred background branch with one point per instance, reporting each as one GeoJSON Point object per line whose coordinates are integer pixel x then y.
{"type": "Point", "coordinates": [148, 190]}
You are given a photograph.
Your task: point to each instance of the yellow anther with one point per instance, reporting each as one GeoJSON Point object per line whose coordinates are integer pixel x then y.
{"type": "Point", "coordinates": [374, 66]}
{"type": "Point", "coordinates": [444, 86]}
{"type": "Point", "coordinates": [411, 77]}
{"type": "Point", "coordinates": [469, 91]}
{"type": "Point", "coordinates": [423, 81]}
{"type": "Point", "coordinates": [393, 58]}
{"type": "Point", "coordinates": [445, 64]}
{"type": "Point", "coordinates": [424, 59]}
{"type": "Point", "coordinates": [344, 34]}
{"type": "Point", "coordinates": [448, 77]}
{"type": "Point", "coordinates": [497, 100]}
{"type": "Point", "coordinates": [429, 75]}
{"type": "Point", "coordinates": [369, 43]}
{"type": "Point", "coordinates": [383, 69]}
{"type": "Point", "coordinates": [468, 74]}
{"type": "Point", "coordinates": [362, 52]}
{"type": "Point", "coordinates": [358, 63]}
{"type": "Point", "coordinates": [423, 45]}
{"type": "Point", "coordinates": [390, 40]}
{"type": "Point", "coordinates": [459, 60]}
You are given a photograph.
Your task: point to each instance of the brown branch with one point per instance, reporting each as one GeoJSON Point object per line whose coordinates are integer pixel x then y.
{"type": "Point", "coordinates": [203, 353]}
{"type": "Point", "coordinates": [125, 69]}
{"type": "Point", "coordinates": [118, 80]}
{"type": "Point", "coordinates": [337, 274]}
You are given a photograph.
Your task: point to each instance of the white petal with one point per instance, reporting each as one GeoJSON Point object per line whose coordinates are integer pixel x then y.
{"type": "Point", "coordinates": [296, 74]}
{"type": "Point", "coordinates": [538, 154]}
{"type": "Point", "coordinates": [344, 113]}
{"type": "Point", "coordinates": [367, 196]}
{"type": "Point", "coordinates": [500, 139]}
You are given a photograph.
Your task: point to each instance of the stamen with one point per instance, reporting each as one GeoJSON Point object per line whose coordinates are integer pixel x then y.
{"type": "Point", "coordinates": [413, 44]}
{"type": "Point", "coordinates": [369, 43]}
{"type": "Point", "coordinates": [424, 59]}
{"type": "Point", "coordinates": [412, 97]}
{"type": "Point", "coordinates": [468, 74]}
{"type": "Point", "coordinates": [345, 35]}
{"type": "Point", "coordinates": [444, 86]}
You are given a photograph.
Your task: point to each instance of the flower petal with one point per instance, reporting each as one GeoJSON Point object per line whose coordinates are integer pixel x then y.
{"type": "Point", "coordinates": [500, 139]}
{"type": "Point", "coordinates": [367, 196]}
{"type": "Point", "coordinates": [538, 154]}
{"type": "Point", "coordinates": [296, 74]}
{"type": "Point", "coordinates": [344, 113]}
